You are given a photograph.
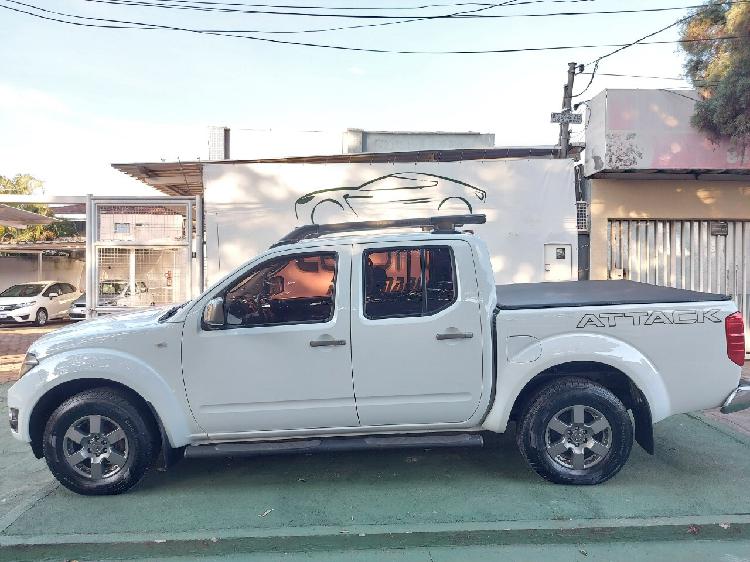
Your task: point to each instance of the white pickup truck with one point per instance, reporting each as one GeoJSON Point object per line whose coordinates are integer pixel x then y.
{"type": "Point", "coordinates": [337, 340]}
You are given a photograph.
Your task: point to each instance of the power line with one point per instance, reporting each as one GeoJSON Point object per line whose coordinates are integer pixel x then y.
{"type": "Point", "coordinates": [129, 25]}
{"type": "Point", "coordinates": [363, 8]}
{"type": "Point", "coordinates": [483, 6]}
{"type": "Point", "coordinates": [634, 76]}
{"type": "Point", "coordinates": [119, 24]}
{"type": "Point", "coordinates": [640, 41]}
{"type": "Point", "coordinates": [461, 15]}
{"type": "Point", "coordinates": [190, 5]}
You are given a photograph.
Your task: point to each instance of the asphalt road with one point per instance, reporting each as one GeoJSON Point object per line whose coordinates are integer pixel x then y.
{"type": "Point", "coordinates": [695, 490]}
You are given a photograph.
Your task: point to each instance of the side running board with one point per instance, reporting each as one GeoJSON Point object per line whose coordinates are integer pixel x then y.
{"type": "Point", "coordinates": [334, 444]}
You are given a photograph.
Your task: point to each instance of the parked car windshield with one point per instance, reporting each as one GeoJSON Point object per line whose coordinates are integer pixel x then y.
{"type": "Point", "coordinates": [24, 290]}
{"type": "Point", "coordinates": [112, 287]}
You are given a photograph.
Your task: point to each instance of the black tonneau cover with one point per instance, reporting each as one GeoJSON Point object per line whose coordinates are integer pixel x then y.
{"type": "Point", "coordinates": [593, 293]}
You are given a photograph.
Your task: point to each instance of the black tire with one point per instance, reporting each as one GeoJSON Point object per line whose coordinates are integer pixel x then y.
{"type": "Point", "coordinates": [538, 440]}
{"type": "Point", "coordinates": [113, 408]}
{"type": "Point", "coordinates": [42, 317]}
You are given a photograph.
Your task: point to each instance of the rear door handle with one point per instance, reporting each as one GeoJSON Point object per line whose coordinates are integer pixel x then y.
{"type": "Point", "coordinates": [455, 336]}
{"type": "Point", "coordinates": [325, 343]}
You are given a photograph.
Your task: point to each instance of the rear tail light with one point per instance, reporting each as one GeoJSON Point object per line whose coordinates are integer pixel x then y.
{"type": "Point", "coordinates": [735, 330]}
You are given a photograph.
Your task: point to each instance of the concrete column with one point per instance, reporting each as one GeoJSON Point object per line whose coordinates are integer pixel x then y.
{"type": "Point", "coordinates": [353, 141]}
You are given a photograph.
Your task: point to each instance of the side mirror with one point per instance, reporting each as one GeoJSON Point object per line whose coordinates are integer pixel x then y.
{"type": "Point", "coordinates": [213, 314]}
{"type": "Point", "coordinates": [52, 295]}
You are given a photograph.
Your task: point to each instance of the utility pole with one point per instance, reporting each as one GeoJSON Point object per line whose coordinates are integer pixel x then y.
{"type": "Point", "coordinates": [567, 110]}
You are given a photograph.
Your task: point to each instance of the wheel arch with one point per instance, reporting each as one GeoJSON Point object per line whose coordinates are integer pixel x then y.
{"type": "Point", "coordinates": [58, 394]}
{"type": "Point", "coordinates": [608, 376]}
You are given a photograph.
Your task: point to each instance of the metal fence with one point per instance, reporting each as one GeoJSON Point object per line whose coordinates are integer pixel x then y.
{"type": "Point", "coordinates": [141, 252]}
{"type": "Point", "coordinates": [711, 256]}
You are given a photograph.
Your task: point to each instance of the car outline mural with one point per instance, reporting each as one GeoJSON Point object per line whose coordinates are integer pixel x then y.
{"type": "Point", "coordinates": [345, 197]}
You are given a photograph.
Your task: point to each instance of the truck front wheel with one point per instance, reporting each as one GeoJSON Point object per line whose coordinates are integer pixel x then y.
{"type": "Point", "coordinates": [98, 442]}
{"type": "Point", "coordinates": [575, 431]}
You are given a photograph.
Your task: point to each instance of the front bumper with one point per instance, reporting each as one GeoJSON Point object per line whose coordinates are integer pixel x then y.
{"type": "Point", "coordinates": [15, 318]}
{"type": "Point", "coordinates": [738, 400]}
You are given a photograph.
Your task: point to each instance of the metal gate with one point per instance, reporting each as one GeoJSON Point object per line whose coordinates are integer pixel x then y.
{"type": "Point", "coordinates": [711, 256]}
{"type": "Point", "coordinates": [139, 252]}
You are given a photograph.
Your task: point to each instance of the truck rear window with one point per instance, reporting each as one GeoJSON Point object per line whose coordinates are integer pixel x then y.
{"type": "Point", "coordinates": [402, 282]}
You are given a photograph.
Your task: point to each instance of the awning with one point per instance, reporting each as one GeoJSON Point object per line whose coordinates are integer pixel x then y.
{"type": "Point", "coordinates": [186, 178]}
{"type": "Point", "coordinates": [18, 218]}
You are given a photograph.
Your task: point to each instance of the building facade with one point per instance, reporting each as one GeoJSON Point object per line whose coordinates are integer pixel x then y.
{"type": "Point", "coordinates": [668, 206]}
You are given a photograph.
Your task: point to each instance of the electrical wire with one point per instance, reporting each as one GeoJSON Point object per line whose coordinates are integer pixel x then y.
{"type": "Point", "coordinates": [129, 25]}
{"type": "Point", "coordinates": [464, 15]}
{"type": "Point", "coordinates": [120, 24]}
{"type": "Point", "coordinates": [634, 76]}
{"type": "Point", "coordinates": [640, 41]}
{"type": "Point", "coordinates": [190, 5]}
{"type": "Point", "coordinates": [359, 8]}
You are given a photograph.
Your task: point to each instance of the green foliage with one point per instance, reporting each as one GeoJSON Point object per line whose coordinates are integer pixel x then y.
{"type": "Point", "coordinates": [720, 70]}
{"type": "Point", "coordinates": [25, 184]}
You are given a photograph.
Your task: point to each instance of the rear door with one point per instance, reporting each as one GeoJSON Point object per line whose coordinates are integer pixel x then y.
{"type": "Point", "coordinates": [416, 333]}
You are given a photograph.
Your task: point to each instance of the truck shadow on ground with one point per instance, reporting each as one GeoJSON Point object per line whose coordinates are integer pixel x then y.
{"type": "Point", "coordinates": [698, 469]}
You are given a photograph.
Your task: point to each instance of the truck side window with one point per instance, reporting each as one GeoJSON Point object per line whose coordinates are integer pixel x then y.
{"type": "Point", "coordinates": [287, 290]}
{"type": "Point", "coordinates": [402, 282]}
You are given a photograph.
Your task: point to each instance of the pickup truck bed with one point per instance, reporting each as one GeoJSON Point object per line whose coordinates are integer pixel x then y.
{"type": "Point", "coordinates": [593, 293]}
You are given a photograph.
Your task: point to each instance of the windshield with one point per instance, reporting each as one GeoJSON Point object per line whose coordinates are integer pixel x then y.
{"type": "Point", "coordinates": [112, 287]}
{"type": "Point", "coordinates": [25, 290]}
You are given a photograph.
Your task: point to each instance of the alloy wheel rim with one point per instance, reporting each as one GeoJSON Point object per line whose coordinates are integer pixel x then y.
{"type": "Point", "coordinates": [41, 317]}
{"type": "Point", "coordinates": [95, 447]}
{"type": "Point", "coordinates": [578, 437]}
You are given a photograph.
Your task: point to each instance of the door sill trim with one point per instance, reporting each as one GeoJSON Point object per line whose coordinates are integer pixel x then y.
{"type": "Point", "coordinates": [334, 444]}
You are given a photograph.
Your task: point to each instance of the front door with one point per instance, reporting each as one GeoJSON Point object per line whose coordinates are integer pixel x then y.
{"type": "Point", "coordinates": [282, 361]}
{"type": "Point", "coordinates": [59, 304]}
{"type": "Point", "coordinates": [417, 333]}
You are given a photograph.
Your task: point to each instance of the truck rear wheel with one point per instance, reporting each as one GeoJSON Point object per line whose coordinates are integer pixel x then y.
{"type": "Point", "coordinates": [98, 443]}
{"type": "Point", "coordinates": [575, 431]}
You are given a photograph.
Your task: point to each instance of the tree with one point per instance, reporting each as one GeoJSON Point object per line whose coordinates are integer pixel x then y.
{"type": "Point", "coordinates": [720, 70]}
{"type": "Point", "coordinates": [25, 184]}
{"type": "Point", "coordinates": [20, 184]}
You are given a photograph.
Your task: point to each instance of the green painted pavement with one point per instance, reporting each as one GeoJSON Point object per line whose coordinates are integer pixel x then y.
{"type": "Point", "coordinates": [701, 471]}
{"type": "Point", "coordinates": [653, 551]}
{"type": "Point", "coordinates": [21, 474]}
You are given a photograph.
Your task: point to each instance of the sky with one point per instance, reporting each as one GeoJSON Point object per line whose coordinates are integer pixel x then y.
{"type": "Point", "coordinates": [75, 99]}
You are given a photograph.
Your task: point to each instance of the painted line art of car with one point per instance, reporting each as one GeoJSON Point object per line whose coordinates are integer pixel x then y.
{"type": "Point", "coordinates": [411, 189]}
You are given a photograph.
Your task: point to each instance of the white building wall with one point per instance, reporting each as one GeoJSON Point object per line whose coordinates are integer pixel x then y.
{"type": "Point", "coordinates": [650, 130]}
{"type": "Point", "coordinates": [145, 228]}
{"type": "Point", "coordinates": [358, 140]}
{"type": "Point", "coordinates": [24, 269]}
{"type": "Point", "coordinates": [528, 203]}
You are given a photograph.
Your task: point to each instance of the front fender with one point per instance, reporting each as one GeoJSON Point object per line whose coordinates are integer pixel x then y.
{"type": "Point", "coordinates": [557, 350]}
{"type": "Point", "coordinates": [108, 364]}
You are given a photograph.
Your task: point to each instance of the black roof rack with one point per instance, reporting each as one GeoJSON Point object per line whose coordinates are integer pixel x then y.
{"type": "Point", "coordinates": [439, 224]}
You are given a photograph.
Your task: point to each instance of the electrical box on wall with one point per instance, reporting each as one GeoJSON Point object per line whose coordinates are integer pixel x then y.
{"type": "Point", "coordinates": [558, 262]}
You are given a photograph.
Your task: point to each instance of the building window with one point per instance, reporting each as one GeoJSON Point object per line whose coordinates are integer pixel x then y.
{"type": "Point", "coordinates": [122, 228]}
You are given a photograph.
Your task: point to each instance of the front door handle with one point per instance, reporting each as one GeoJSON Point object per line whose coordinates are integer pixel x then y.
{"type": "Point", "coordinates": [324, 343]}
{"type": "Point", "coordinates": [455, 336]}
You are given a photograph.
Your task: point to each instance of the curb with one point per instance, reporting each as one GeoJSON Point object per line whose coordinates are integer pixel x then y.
{"type": "Point", "coordinates": [306, 539]}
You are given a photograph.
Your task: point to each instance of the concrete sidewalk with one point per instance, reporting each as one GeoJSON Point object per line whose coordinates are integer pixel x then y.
{"type": "Point", "coordinates": [696, 488]}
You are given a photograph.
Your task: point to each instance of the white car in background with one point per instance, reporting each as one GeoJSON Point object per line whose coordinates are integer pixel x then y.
{"type": "Point", "coordinates": [37, 302]}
